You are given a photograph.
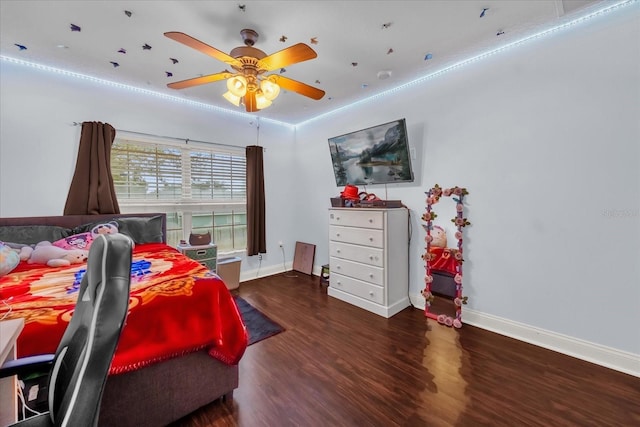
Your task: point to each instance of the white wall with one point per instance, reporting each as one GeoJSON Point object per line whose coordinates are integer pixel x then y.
{"type": "Point", "coordinates": [546, 138]}
{"type": "Point", "coordinates": [38, 143]}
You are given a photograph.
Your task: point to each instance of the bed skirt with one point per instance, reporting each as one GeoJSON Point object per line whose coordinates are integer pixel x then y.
{"type": "Point", "coordinates": [178, 387]}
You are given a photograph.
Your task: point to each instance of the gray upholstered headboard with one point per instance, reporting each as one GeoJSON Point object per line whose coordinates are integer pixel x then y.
{"type": "Point", "coordinates": [72, 221]}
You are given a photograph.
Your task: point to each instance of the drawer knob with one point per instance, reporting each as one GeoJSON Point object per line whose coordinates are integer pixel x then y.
{"type": "Point", "coordinates": [371, 294]}
{"type": "Point", "coordinates": [338, 250]}
{"type": "Point", "coordinates": [338, 267]}
{"type": "Point", "coordinates": [371, 275]}
{"type": "Point", "coordinates": [337, 234]}
{"type": "Point", "coordinates": [371, 220]}
{"type": "Point", "coordinates": [339, 283]}
{"type": "Point", "coordinates": [371, 239]}
{"type": "Point", "coordinates": [371, 257]}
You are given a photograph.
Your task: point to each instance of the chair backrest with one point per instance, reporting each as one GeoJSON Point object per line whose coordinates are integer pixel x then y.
{"type": "Point", "coordinates": [84, 355]}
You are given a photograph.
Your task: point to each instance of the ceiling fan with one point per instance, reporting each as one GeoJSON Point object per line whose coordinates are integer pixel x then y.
{"type": "Point", "coordinates": [249, 83]}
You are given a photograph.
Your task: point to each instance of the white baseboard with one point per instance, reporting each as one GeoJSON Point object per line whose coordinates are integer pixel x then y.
{"type": "Point", "coordinates": [608, 357]}
{"type": "Point", "coordinates": [264, 271]}
{"type": "Point", "coordinates": [273, 269]}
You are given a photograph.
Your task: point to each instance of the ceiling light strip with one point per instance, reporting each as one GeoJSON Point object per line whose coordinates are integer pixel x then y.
{"type": "Point", "coordinates": [566, 25]}
{"type": "Point", "coordinates": [137, 89]}
{"type": "Point", "coordinates": [597, 13]}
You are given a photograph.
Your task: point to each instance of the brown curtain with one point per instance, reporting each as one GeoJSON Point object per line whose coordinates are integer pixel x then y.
{"type": "Point", "coordinates": [92, 191]}
{"type": "Point", "coordinates": [256, 240]}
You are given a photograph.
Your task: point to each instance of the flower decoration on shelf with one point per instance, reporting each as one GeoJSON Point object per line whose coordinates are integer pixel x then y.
{"type": "Point", "coordinates": [460, 221]}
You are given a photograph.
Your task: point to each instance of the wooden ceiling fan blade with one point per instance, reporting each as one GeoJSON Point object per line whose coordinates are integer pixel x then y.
{"type": "Point", "coordinates": [292, 55]}
{"type": "Point", "coordinates": [196, 81]}
{"type": "Point", "coordinates": [250, 102]}
{"type": "Point", "coordinates": [203, 47]}
{"type": "Point", "coordinates": [296, 86]}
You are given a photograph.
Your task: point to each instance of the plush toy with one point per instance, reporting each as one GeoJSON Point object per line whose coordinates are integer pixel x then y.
{"type": "Point", "coordinates": [23, 251]}
{"type": "Point", "coordinates": [107, 228]}
{"type": "Point", "coordinates": [9, 259]}
{"type": "Point", "coordinates": [54, 256]}
{"type": "Point", "coordinates": [439, 236]}
{"type": "Point", "coordinates": [83, 240]}
{"type": "Point", "coordinates": [77, 241]}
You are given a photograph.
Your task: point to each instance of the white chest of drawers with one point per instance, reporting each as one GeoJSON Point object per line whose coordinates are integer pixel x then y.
{"type": "Point", "coordinates": [368, 258]}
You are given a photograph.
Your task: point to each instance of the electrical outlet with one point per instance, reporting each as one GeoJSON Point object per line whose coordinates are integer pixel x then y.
{"type": "Point", "coordinates": [259, 257]}
{"type": "Point", "coordinates": [280, 243]}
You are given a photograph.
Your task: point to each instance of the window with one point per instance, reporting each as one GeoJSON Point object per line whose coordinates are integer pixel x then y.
{"type": "Point", "coordinates": [201, 187]}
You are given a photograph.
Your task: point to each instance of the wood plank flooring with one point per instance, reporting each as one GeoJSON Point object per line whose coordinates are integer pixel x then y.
{"type": "Point", "coordinates": [339, 365]}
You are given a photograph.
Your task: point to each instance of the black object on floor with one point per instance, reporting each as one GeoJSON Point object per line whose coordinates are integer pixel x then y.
{"type": "Point", "coordinates": [258, 325]}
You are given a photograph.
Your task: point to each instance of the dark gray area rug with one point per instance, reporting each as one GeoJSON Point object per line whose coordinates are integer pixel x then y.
{"type": "Point", "coordinates": [258, 325]}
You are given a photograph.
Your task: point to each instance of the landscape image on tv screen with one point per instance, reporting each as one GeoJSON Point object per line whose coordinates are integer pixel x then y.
{"type": "Point", "coordinates": [376, 155]}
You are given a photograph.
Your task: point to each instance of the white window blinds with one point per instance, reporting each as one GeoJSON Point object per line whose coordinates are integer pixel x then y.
{"type": "Point", "coordinates": [150, 171]}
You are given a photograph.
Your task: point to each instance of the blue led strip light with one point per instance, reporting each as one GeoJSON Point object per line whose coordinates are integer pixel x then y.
{"type": "Point", "coordinates": [479, 57]}
{"type": "Point", "coordinates": [595, 14]}
{"type": "Point", "coordinates": [136, 89]}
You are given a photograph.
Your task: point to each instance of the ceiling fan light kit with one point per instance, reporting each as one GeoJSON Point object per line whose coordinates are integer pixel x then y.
{"type": "Point", "coordinates": [235, 100]}
{"type": "Point", "coordinates": [262, 102]}
{"type": "Point", "coordinates": [250, 85]}
{"type": "Point", "coordinates": [270, 89]}
{"type": "Point", "coordinates": [237, 85]}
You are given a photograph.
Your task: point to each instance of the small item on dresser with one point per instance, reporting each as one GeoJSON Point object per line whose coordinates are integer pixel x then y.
{"type": "Point", "coordinates": [364, 196]}
{"type": "Point", "coordinates": [337, 202]}
{"type": "Point", "coordinates": [199, 239]}
{"type": "Point", "coordinates": [381, 204]}
{"type": "Point", "coordinates": [350, 192]}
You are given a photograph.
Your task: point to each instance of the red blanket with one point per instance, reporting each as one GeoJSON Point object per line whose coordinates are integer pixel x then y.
{"type": "Point", "coordinates": [173, 309]}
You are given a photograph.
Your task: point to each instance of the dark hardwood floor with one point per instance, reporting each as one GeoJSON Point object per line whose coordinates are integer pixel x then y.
{"type": "Point", "coordinates": [338, 365]}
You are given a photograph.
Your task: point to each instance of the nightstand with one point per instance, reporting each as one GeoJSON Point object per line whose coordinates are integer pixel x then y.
{"type": "Point", "coordinates": [205, 254]}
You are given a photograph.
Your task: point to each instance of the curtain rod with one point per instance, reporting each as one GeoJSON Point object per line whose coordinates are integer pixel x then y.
{"type": "Point", "coordinates": [186, 140]}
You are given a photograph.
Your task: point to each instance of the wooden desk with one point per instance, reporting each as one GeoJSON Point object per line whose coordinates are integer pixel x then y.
{"type": "Point", "coordinates": [9, 332]}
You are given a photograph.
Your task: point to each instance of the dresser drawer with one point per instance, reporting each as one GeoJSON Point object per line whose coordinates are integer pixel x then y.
{"type": "Point", "coordinates": [364, 254]}
{"type": "Point", "coordinates": [368, 273]}
{"type": "Point", "coordinates": [358, 288]}
{"type": "Point", "coordinates": [356, 218]}
{"type": "Point", "coordinates": [358, 236]}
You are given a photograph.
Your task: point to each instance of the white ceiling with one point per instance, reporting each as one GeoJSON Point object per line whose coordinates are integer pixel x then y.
{"type": "Point", "coordinates": [380, 36]}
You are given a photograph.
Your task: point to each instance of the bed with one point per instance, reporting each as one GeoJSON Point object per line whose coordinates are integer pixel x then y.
{"type": "Point", "coordinates": [183, 337]}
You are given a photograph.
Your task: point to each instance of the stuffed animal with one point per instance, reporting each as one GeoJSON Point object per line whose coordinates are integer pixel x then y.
{"type": "Point", "coordinates": [23, 251]}
{"type": "Point", "coordinates": [83, 240]}
{"type": "Point", "coordinates": [77, 241]}
{"type": "Point", "coordinates": [9, 259]}
{"type": "Point", "coordinates": [54, 256]}
{"type": "Point", "coordinates": [439, 236]}
{"type": "Point", "coordinates": [106, 228]}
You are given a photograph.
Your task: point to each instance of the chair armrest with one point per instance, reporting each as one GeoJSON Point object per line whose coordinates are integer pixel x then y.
{"type": "Point", "coordinates": [27, 365]}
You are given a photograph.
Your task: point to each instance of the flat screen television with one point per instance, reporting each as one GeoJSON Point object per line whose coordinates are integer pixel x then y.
{"type": "Point", "coordinates": [375, 155]}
